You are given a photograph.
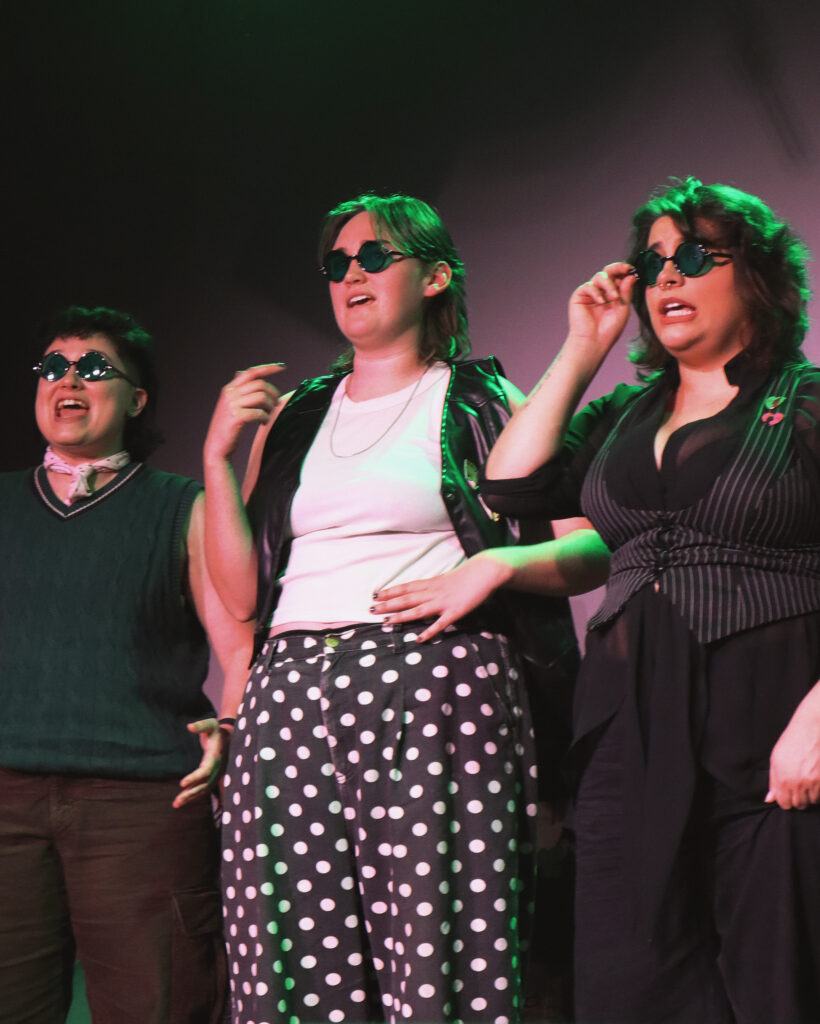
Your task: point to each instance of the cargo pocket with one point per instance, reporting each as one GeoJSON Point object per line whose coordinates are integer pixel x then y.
{"type": "Point", "coordinates": [198, 969]}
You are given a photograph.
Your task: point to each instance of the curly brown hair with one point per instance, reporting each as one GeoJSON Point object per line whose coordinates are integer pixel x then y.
{"type": "Point", "coordinates": [769, 261]}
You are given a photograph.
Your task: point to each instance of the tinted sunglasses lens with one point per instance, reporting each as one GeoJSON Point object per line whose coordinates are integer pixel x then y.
{"type": "Point", "coordinates": [648, 264]}
{"type": "Point", "coordinates": [93, 366]}
{"type": "Point", "coordinates": [690, 259]}
{"type": "Point", "coordinates": [372, 257]}
{"type": "Point", "coordinates": [336, 264]}
{"type": "Point", "coordinates": [53, 367]}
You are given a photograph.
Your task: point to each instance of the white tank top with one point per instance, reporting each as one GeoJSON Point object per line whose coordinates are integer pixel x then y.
{"type": "Point", "coordinates": [368, 511]}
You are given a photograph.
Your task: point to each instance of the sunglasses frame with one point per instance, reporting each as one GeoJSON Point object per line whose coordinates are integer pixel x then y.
{"type": "Point", "coordinates": [109, 370]}
{"type": "Point", "coordinates": [704, 268]}
{"type": "Point", "coordinates": [388, 257]}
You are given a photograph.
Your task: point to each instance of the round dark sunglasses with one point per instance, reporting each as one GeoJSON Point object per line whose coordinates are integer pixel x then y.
{"type": "Point", "coordinates": [91, 366]}
{"type": "Point", "coordinates": [690, 259]}
{"type": "Point", "coordinates": [372, 257]}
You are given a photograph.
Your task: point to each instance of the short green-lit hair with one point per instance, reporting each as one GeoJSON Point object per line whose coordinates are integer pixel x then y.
{"type": "Point", "coordinates": [417, 230]}
{"type": "Point", "coordinates": [769, 261]}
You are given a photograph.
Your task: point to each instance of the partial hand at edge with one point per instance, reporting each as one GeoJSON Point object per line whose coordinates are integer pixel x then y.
{"type": "Point", "coordinates": [794, 766]}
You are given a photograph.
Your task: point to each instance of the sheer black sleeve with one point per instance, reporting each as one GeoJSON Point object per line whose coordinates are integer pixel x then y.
{"type": "Point", "coordinates": [554, 489]}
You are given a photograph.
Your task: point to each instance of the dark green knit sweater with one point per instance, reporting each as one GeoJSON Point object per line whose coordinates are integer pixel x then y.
{"type": "Point", "coordinates": [101, 660]}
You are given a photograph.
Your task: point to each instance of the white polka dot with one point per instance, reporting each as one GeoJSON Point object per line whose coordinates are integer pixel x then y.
{"type": "Point", "coordinates": [413, 658]}
{"type": "Point", "coordinates": [500, 984]}
{"type": "Point", "coordinates": [323, 867]}
{"type": "Point", "coordinates": [306, 923]}
{"type": "Point", "coordinates": [425, 949]}
{"type": "Point", "coordinates": [330, 941]}
{"type": "Point", "coordinates": [479, 964]}
{"type": "Point", "coordinates": [390, 676]}
{"type": "Point", "coordinates": [435, 768]}
{"type": "Point", "coordinates": [468, 728]}
{"type": "Point", "coordinates": [367, 660]}
{"type": "Point", "coordinates": [308, 961]}
{"type": "Point", "coordinates": [342, 682]}
{"type": "Point", "coordinates": [479, 1003]}
{"type": "Point", "coordinates": [311, 999]}
{"type": "Point", "coordinates": [422, 695]}
{"type": "Point", "coordinates": [478, 924]}
{"type": "Point", "coordinates": [424, 909]}
{"type": "Point", "coordinates": [267, 753]}
{"type": "Point", "coordinates": [459, 652]}
{"type": "Point", "coordinates": [422, 868]}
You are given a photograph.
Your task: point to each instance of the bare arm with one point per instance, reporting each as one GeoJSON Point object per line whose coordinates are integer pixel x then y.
{"type": "Point", "coordinates": [598, 312]}
{"type": "Point", "coordinates": [229, 548]}
{"type": "Point", "coordinates": [232, 642]}
{"type": "Point", "coordinates": [571, 564]}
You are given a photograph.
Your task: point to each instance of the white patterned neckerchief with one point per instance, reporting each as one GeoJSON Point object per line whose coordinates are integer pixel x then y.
{"type": "Point", "coordinates": [84, 472]}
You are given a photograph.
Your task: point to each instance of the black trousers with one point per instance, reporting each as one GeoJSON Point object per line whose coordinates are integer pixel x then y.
{"type": "Point", "coordinates": [741, 927]}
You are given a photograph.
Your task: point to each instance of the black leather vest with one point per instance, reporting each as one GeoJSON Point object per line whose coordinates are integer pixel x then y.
{"type": "Point", "coordinates": [475, 411]}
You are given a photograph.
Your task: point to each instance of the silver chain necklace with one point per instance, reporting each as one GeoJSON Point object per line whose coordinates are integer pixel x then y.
{"type": "Point", "coordinates": [384, 433]}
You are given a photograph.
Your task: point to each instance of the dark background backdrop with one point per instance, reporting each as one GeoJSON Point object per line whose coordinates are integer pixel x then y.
{"type": "Point", "coordinates": [173, 158]}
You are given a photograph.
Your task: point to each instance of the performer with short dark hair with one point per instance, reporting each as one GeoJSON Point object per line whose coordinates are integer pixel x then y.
{"type": "Point", "coordinates": [102, 660]}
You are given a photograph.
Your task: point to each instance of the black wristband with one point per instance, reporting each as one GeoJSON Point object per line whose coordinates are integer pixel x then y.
{"type": "Point", "coordinates": [228, 722]}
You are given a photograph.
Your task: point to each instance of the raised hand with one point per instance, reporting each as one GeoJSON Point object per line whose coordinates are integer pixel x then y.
{"type": "Point", "coordinates": [599, 308]}
{"type": "Point", "coordinates": [248, 398]}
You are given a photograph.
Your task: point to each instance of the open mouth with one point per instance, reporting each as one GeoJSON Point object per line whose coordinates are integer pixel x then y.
{"type": "Point", "coordinates": [359, 300]}
{"type": "Point", "coordinates": [674, 309]}
{"type": "Point", "coordinates": [71, 406]}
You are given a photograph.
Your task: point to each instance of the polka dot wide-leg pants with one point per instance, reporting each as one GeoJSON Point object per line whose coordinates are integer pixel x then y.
{"type": "Point", "coordinates": [377, 830]}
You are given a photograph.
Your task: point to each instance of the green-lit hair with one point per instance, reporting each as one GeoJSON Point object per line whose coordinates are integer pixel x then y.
{"type": "Point", "coordinates": [416, 229]}
{"type": "Point", "coordinates": [769, 264]}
